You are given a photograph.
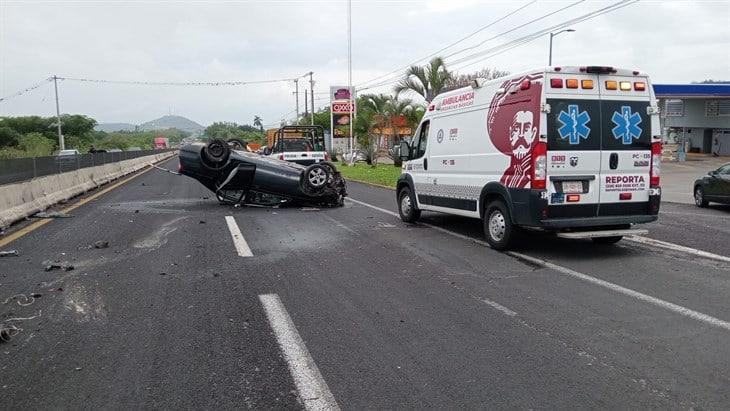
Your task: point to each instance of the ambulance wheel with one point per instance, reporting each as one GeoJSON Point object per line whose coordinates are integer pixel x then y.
{"type": "Point", "coordinates": [501, 233]}
{"type": "Point", "coordinates": [700, 197]}
{"type": "Point", "coordinates": [607, 240]}
{"type": "Point", "coordinates": [407, 206]}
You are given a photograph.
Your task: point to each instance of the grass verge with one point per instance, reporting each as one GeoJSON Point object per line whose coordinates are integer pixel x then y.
{"type": "Point", "coordinates": [382, 174]}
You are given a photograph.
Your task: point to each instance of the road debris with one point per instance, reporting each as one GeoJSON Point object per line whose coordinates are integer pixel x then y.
{"type": "Point", "coordinates": [52, 214]}
{"type": "Point", "coordinates": [201, 222]}
{"type": "Point", "coordinates": [22, 300]}
{"type": "Point", "coordinates": [101, 244]}
{"type": "Point", "coordinates": [9, 253]}
{"type": "Point", "coordinates": [8, 331]}
{"type": "Point", "coordinates": [57, 265]}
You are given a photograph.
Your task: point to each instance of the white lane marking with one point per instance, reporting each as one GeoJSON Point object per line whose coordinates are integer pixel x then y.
{"type": "Point", "coordinates": [311, 386]}
{"type": "Point", "coordinates": [677, 247]}
{"type": "Point", "coordinates": [238, 240]}
{"type": "Point", "coordinates": [498, 306]}
{"type": "Point", "coordinates": [382, 210]}
{"type": "Point", "coordinates": [696, 315]}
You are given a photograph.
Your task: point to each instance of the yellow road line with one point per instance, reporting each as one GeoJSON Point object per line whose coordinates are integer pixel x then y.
{"type": "Point", "coordinates": [38, 224]}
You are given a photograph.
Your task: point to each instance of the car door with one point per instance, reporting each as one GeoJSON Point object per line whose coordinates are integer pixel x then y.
{"type": "Point", "coordinates": [718, 185]}
{"type": "Point", "coordinates": [626, 138]}
{"type": "Point", "coordinates": [417, 165]}
{"type": "Point", "coordinates": [574, 150]}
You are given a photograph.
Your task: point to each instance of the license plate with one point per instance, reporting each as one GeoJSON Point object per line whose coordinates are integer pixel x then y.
{"type": "Point", "coordinates": [571, 187]}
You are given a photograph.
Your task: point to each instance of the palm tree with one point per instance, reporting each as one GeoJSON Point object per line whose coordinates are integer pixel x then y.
{"type": "Point", "coordinates": [428, 81]}
{"type": "Point", "coordinates": [258, 123]}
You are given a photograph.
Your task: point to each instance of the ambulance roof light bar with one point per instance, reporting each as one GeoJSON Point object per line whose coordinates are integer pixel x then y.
{"type": "Point", "coordinates": [599, 70]}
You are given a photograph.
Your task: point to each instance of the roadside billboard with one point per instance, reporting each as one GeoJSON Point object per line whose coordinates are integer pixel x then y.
{"type": "Point", "coordinates": [342, 109]}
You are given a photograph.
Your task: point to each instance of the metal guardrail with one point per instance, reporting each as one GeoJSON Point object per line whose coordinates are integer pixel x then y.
{"type": "Point", "coordinates": [15, 170]}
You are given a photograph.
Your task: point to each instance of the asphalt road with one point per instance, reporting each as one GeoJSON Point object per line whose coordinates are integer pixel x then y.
{"type": "Point", "coordinates": [389, 315]}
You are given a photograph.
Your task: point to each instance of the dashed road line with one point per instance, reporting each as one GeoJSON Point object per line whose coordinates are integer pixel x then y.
{"type": "Point", "coordinates": [684, 311]}
{"type": "Point", "coordinates": [311, 385]}
{"type": "Point", "coordinates": [241, 245]}
{"type": "Point", "coordinates": [677, 247]}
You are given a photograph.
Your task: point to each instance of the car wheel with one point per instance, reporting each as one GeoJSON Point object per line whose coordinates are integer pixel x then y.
{"type": "Point", "coordinates": [316, 176]}
{"type": "Point", "coordinates": [215, 154]}
{"type": "Point", "coordinates": [499, 230]}
{"type": "Point", "coordinates": [700, 197]}
{"type": "Point", "coordinates": [407, 206]}
{"type": "Point", "coordinates": [607, 240]}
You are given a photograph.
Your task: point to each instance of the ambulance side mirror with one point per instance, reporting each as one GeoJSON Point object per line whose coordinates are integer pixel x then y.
{"type": "Point", "coordinates": [404, 151]}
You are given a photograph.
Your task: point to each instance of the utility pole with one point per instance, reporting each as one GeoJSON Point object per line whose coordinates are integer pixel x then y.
{"type": "Point", "coordinates": [306, 102]}
{"type": "Point", "coordinates": [296, 94]}
{"type": "Point", "coordinates": [311, 94]}
{"type": "Point", "coordinates": [61, 143]}
{"type": "Point", "coordinates": [349, 75]}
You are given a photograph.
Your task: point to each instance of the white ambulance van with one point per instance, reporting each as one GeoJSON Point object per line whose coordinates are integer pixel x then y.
{"type": "Point", "coordinates": [570, 150]}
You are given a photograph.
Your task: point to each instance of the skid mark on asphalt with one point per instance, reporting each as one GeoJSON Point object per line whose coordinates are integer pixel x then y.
{"type": "Point", "coordinates": [312, 388]}
{"type": "Point", "coordinates": [678, 309]}
{"type": "Point", "coordinates": [159, 237]}
{"type": "Point", "coordinates": [239, 242]}
{"type": "Point", "coordinates": [339, 224]}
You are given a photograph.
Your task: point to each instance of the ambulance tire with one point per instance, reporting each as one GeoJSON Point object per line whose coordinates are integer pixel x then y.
{"type": "Point", "coordinates": [499, 230]}
{"type": "Point", "coordinates": [407, 206]}
{"type": "Point", "coordinates": [607, 240]}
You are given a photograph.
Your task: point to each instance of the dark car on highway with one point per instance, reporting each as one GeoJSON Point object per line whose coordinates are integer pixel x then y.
{"type": "Point", "coordinates": [714, 187]}
{"type": "Point", "coordinates": [241, 177]}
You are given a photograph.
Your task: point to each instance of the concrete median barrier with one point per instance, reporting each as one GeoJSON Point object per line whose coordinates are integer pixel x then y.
{"type": "Point", "coordinates": [20, 200]}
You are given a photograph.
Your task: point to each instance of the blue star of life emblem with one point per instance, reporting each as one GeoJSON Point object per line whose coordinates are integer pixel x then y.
{"type": "Point", "coordinates": [575, 124]}
{"type": "Point", "coordinates": [627, 125]}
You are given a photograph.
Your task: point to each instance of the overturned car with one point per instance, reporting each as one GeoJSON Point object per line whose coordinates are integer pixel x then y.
{"type": "Point", "coordinates": [241, 177]}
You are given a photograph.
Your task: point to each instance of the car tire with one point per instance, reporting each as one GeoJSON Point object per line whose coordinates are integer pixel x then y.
{"type": "Point", "coordinates": [499, 230]}
{"type": "Point", "coordinates": [607, 240]}
{"type": "Point", "coordinates": [215, 154]}
{"type": "Point", "coordinates": [407, 206]}
{"type": "Point", "coordinates": [316, 176]}
{"type": "Point", "coordinates": [699, 195]}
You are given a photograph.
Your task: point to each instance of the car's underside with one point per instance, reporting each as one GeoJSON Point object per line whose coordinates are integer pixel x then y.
{"type": "Point", "coordinates": [239, 177]}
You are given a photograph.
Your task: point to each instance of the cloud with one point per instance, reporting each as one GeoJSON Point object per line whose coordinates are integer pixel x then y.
{"type": "Point", "coordinates": [677, 41]}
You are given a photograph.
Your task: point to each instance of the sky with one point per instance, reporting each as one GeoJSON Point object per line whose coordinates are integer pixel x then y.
{"type": "Point", "coordinates": [181, 41]}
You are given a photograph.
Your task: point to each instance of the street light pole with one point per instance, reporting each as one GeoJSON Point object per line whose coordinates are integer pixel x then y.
{"type": "Point", "coordinates": [311, 94]}
{"type": "Point", "coordinates": [349, 77]}
{"type": "Point", "coordinates": [550, 58]}
{"type": "Point", "coordinates": [296, 95]}
{"type": "Point", "coordinates": [61, 142]}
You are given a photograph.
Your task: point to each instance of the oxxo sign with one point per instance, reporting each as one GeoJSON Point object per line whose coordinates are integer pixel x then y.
{"type": "Point", "coordinates": [342, 107]}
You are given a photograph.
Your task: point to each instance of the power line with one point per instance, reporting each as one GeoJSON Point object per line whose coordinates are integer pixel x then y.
{"type": "Point", "coordinates": [523, 40]}
{"type": "Point", "coordinates": [398, 76]}
{"type": "Point", "coordinates": [177, 83]}
{"type": "Point", "coordinates": [26, 90]}
{"type": "Point", "coordinates": [479, 30]}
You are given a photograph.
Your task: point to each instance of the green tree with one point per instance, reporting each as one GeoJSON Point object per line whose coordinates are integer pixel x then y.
{"type": "Point", "coordinates": [427, 81]}
{"type": "Point", "coordinates": [463, 80]}
{"type": "Point", "coordinates": [257, 122]}
{"type": "Point", "coordinates": [35, 145]}
{"type": "Point", "coordinates": [8, 136]}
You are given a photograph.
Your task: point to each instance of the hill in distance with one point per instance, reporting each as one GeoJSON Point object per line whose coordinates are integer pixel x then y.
{"type": "Point", "coordinates": [178, 122]}
{"type": "Point", "coordinates": [164, 122]}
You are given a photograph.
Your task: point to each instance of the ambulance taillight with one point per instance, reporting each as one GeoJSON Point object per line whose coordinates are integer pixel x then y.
{"type": "Point", "coordinates": [539, 166]}
{"type": "Point", "coordinates": [656, 161]}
